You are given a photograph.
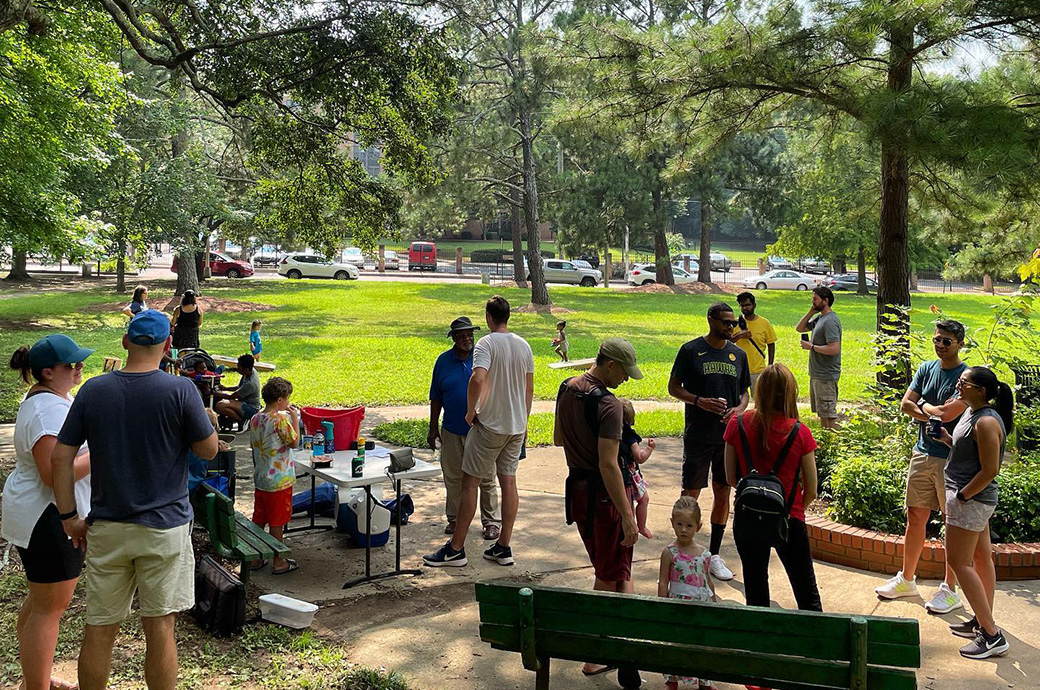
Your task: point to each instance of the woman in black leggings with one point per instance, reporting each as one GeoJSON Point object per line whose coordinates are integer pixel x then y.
{"type": "Point", "coordinates": [776, 411]}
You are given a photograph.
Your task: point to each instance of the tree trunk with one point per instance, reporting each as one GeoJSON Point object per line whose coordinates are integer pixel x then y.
{"type": "Point", "coordinates": [539, 290]}
{"type": "Point", "coordinates": [662, 256]}
{"type": "Point", "coordinates": [840, 265]}
{"type": "Point", "coordinates": [704, 273]}
{"type": "Point", "coordinates": [18, 270]}
{"type": "Point", "coordinates": [121, 263]}
{"type": "Point", "coordinates": [519, 273]}
{"type": "Point", "coordinates": [893, 265]}
{"type": "Point", "coordinates": [187, 271]}
{"type": "Point", "coordinates": [861, 271]}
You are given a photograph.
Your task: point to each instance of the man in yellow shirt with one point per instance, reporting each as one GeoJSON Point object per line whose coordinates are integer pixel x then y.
{"type": "Point", "coordinates": [755, 336]}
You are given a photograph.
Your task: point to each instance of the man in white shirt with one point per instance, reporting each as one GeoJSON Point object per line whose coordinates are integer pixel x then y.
{"type": "Point", "coordinates": [499, 398]}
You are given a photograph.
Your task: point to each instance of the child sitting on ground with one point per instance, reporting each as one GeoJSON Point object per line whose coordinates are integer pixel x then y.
{"type": "Point", "coordinates": [559, 343]}
{"type": "Point", "coordinates": [634, 456]}
{"type": "Point", "coordinates": [685, 572]}
{"type": "Point", "coordinates": [255, 345]}
{"type": "Point", "coordinates": [273, 433]}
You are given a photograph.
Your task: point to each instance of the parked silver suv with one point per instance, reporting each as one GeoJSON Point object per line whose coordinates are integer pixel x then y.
{"type": "Point", "coordinates": [564, 271]}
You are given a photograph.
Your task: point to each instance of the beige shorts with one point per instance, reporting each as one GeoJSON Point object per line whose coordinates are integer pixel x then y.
{"type": "Point", "coordinates": [925, 483]}
{"type": "Point", "coordinates": [969, 515]}
{"type": "Point", "coordinates": [123, 558]}
{"type": "Point", "coordinates": [823, 397]}
{"type": "Point", "coordinates": [488, 453]}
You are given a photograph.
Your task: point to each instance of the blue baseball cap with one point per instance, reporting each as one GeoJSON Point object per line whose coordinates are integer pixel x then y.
{"type": "Point", "coordinates": [149, 327]}
{"type": "Point", "coordinates": [56, 349]}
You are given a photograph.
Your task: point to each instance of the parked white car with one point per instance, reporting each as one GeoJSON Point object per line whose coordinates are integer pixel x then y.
{"type": "Point", "coordinates": [354, 257]}
{"type": "Point", "coordinates": [646, 274]}
{"type": "Point", "coordinates": [295, 266]}
{"type": "Point", "coordinates": [782, 280]}
{"type": "Point", "coordinates": [390, 260]}
{"type": "Point", "coordinates": [563, 271]}
{"type": "Point", "coordinates": [778, 262]}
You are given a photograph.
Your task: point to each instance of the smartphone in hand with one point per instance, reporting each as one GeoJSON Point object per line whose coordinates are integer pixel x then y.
{"type": "Point", "coordinates": [805, 337]}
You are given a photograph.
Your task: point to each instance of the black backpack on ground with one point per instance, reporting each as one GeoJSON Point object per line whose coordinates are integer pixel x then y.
{"type": "Point", "coordinates": [760, 510]}
{"type": "Point", "coordinates": [220, 598]}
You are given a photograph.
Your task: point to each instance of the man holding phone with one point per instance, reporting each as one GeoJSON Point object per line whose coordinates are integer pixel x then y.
{"type": "Point", "coordinates": [755, 336]}
{"type": "Point", "coordinates": [824, 346]}
{"type": "Point", "coordinates": [711, 376]}
{"type": "Point", "coordinates": [931, 395]}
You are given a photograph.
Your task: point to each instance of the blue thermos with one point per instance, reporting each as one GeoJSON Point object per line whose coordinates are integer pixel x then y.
{"type": "Point", "coordinates": [330, 444]}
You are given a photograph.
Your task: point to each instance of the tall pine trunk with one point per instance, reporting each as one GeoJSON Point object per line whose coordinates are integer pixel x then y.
{"type": "Point", "coordinates": [19, 258]}
{"type": "Point", "coordinates": [704, 272]}
{"type": "Point", "coordinates": [519, 274]}
{"type": "Point", "coordinates": [539, 290]}
{"type": "Point", "coordinates": [121, 263]}
{"type": "Point", "coordinates": [861, 271]}
{"type": "Point", "coordinates": [893, 266]}
{"type": "Point", "coordinates": [662, 255]}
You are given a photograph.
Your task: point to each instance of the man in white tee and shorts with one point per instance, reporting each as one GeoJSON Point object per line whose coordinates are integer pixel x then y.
{"type": "Point", "coordinates": [499, 398]}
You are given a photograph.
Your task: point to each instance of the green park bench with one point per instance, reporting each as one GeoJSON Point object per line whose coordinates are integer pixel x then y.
{"type": "Point", "coordinates": [232, 534]}
{"type": "Point", "coordinates": [776, 648]}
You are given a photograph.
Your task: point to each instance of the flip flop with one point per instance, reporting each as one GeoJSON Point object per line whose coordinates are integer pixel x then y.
{"type": "Point", "coordinates": [291, 567]}
{"type": "Point", "coordinates": [58, 684]}
{"type": "Point", "coordinates": [605, 669]}
{"type": "Point", "coordinates": [259, 566]}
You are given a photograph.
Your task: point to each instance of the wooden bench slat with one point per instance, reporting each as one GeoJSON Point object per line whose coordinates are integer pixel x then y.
{"type": "Point", "coordinates": [256, 546]}
{"type": "Point", "coordinates": [245, 525]}
{"type": "Point", "coordinates": [638, 608]}
{"type": "Point", "coordinates": [709, 633]}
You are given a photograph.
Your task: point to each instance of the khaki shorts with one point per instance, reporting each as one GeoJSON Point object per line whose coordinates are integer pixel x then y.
{"type": "Point", "coordinates": [124, 557]}
{"type": "Point", "coordinates": [823, 397]}
{"type": "Point", "coordinates": [488, 453]}
{"type": "Point", "coordinates": [925, 483]}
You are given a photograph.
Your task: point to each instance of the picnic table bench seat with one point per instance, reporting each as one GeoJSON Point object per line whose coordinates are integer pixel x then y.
{"type": "Point", "coordinates": [232, 534]}
{"type": "Point", "coordinates": [775, 648]}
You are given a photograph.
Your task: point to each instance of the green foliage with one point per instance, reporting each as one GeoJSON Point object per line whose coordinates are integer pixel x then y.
{"type": "Point", "coordinates": [868, 491]}
{"type": "Point", "coordinates": [410, 433]}
{"type": "Point", "coordinates": [1017, 518]}
{"type": "Point", "coordinates": [370, 679]}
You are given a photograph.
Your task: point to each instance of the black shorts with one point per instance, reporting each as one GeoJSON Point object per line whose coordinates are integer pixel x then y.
{"type": "Point", "coordinates": [50, 556]}
{"type": "Point", "coordinates": [698, 458]}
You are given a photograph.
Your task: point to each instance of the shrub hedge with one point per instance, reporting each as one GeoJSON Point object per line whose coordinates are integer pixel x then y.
{"type": "Point", "coordinates": [496, 256]}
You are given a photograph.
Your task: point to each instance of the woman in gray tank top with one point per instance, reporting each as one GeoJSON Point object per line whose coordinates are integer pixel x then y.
{"type": "Point", "coordinates": [976, 451]}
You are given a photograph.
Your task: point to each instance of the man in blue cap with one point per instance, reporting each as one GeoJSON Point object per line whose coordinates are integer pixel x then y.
{"type": "Point", "coordinates": [140, 424]}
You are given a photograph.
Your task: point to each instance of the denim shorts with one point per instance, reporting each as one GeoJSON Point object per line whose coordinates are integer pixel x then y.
{"type": "Point", "coordinates": [970, 515]}
{"type": "Point", "coordinates": [248, 411]}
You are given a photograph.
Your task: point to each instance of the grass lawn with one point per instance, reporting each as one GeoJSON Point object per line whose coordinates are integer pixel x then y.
{"type": "Point", "coordinates": [375, 342]}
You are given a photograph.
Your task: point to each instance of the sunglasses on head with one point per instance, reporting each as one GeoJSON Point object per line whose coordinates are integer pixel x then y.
{"type": "Point", "coordinates": [939, 340]}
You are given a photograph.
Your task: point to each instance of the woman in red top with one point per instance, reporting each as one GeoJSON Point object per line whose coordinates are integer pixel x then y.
{"type": "Point", "coordinates": [776, 409]}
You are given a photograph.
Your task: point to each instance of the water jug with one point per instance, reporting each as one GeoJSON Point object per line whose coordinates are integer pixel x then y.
{"type": "Point", "coordinates": [330, 444]}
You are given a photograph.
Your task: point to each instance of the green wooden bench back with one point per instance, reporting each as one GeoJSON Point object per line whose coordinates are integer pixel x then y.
{"type": "Point", "coordinates": [219, 519]}
{"type": "Point", "coordinates": [788, 649]}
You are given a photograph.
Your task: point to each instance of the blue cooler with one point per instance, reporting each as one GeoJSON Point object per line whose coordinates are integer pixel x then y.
{"type": "Point", "coordinates": [350, 518]}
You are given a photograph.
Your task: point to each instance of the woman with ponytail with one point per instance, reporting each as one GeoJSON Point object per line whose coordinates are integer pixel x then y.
{"type": "Point", "coordinates": [976, 452]}
{"type": "Point", "coordinates": [51, 368]}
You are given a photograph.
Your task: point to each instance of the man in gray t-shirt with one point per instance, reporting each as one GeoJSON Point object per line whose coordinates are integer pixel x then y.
{"type": "Point", "coordinates": [140, 424]}
{"type": "Point", "coordinates": [824, 346]}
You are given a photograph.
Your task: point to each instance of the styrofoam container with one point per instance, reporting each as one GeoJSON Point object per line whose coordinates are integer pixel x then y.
{"type": "Point", "coordinates": [292, 613]}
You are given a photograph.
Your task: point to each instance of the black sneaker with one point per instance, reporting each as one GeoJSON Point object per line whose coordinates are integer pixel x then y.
{"type": "Point", "coordinates": [968, 628]}
{"type": "Point", "coordinates": [503, 555]}
{"type": "Point", "coordinates": [446, 556]}
{"type": "Point", "coordinates": [984, 646]}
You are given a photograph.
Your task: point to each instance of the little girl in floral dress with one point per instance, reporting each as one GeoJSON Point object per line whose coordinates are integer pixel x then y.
{"type": "Point", "coordinates": [685, 571]}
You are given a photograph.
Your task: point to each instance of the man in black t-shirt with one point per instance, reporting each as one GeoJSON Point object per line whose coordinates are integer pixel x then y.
{"type": "Point", "coordinates": [711, 376]}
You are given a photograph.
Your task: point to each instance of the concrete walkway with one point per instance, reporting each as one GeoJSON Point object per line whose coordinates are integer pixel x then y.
{"type": "Point", "coordinates": [426, 627]}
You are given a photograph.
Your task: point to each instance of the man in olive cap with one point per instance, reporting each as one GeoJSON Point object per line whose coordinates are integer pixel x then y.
{"type": "Point", "coordinates": [448, 392]}
{"type": "Point", "coordinates": [588, 426]}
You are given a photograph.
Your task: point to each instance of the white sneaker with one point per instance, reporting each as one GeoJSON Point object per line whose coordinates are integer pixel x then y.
{"type": "Point", "coordinates": [897, 587]}
{"type": "Point", "coordinates": [944, 601]}
{"type": "Point", "coordinates": [718, 568]}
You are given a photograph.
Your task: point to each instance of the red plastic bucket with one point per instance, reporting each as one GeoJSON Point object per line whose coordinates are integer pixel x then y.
{"type": "Point", "coordinates": [346, 424]}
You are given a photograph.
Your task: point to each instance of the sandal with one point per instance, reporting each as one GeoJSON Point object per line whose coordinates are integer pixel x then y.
{"type": "Point", "coordinates": [603, 669]}
{"type": "Point", "coordinates": [288, 569]}
{"type": "Point", "coordinates": [259, 566]}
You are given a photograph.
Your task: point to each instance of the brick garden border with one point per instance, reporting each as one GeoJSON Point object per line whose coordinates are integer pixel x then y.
{"type": "Point", "coordinates": [883, 553]}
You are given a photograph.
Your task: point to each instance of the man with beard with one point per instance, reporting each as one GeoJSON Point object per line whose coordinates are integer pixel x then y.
{"type": "Point", "coordinates": [448, 392]}
{"type": "Point", "coordinates": [755, 336]}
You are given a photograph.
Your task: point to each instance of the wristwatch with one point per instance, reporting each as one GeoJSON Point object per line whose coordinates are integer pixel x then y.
{"type": "Point", "coordinates": [921, 404]}
{"type": "Point", "coordinates": [961, 497]}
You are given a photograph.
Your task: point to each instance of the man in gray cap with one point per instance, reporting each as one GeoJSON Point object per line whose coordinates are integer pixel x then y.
{"type": "Point", "coordinates": [448, 392]}
{"type": "Point", "coordinates": [588, 426]}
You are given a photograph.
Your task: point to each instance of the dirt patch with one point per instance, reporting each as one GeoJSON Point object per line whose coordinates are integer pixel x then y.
{"type": "Point", "coordinates": [215, 305]}
{"type": "Point", "coordinates": [23, 325]}
{"type": "Point", "coordinates": [692, 288]}
{"type": "Point", "coordinates": [542, 309]}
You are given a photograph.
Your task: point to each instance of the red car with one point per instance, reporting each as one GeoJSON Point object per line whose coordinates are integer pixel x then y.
{"type": "Point", "coordinates": [422, 256]}
{"type": "Point", "coordinates": [220, 265]}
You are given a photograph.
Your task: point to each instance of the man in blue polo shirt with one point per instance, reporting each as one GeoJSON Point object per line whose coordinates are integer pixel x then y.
{"type": "Point", "coordinates": [448, 392]}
